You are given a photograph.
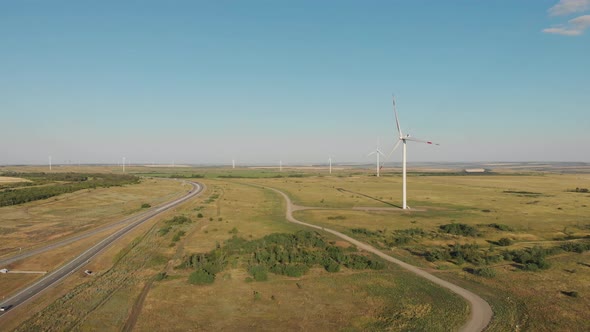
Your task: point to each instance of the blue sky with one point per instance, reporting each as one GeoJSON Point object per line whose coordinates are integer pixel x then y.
{"type": "Point", "coordinates": [297, 81]}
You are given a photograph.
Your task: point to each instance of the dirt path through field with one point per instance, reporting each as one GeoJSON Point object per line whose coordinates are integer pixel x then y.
{"type": "Point", "coordinates": [481, 312]}
{"type": "Point", "coordinates": [137, 306]}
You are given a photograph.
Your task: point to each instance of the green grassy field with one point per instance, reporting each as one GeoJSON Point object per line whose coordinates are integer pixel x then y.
{"type": "Point", "coordinates": [537, 209]}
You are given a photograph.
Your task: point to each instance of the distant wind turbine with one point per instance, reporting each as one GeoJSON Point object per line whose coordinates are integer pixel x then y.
{"type": "Point", "coordinates": [280, 165]}
{"type": "Point", "coordinates": [330, 162]}
{"type": "Point", "coordinates": [233, 163]}
{"type": "Point", "coordinates": [379, 154]}
{"type": "Point", "coordinates": [123, 164]}
{"type": "Point", "coordinates": [403, 139]}
{"type": "Point", "coordinates": [50, 163]}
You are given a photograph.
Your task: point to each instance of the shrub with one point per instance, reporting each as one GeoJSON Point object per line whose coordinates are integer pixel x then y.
{"type": "Point", "coordinates": [459, 229]}
{"type": "Point", "coordinates": [578, 247]}
{"type": "Point", "coordinates": [201, 277]}
{"type": "Point", "coordinates": [486, 272]}
{"type": "Point", "coordinates": [570, 293]}
{"type": "Point", "coordinates": [296, 270]}
{"type": "Point", "coordinates": [161, 276]}
{"type": "Point", "coordinates": [145, 205]}
{"type": "Point", "coordinates": [164, 230]}
{"type": "Point", "coordinates": [258, 272]}
{"type": "Point", "coordinates": [179, 220]}
{"type": "Point", "coordinates": [332, 266]}
{"type": "Point", "coordinates": [436, 255]}
{"type": "Point", "coordinates": [505, 242]}
{"type": "Point", "coordinates": [501, 227]}
{"type": "Point", "coordinates": [200, 215]}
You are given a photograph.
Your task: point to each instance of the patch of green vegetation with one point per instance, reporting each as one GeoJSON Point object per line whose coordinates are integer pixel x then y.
{"type": "Point", "coordinates": [578, 190]}
{"type": "Point", "coordinates": [186, 176]}
{"type": "Point", "coordinates": [201, 277]}
{"type": "Point", "coordinates": [336, 218]}
{"type": "Point", "coordinates": [146, 205]}
{"type": "Point", "coordinates": [501, 227]}
{"type": "Point", "coordinates": [570, 293]}
{"type": "Point", "coordinates": [486, 272]}
{"type": "Point", "coordinates": [179, 220]}
{"type": "Point", "coordinates": [531, 259]}
{"type": "Point", "coordinates": [280, 253]}
{"type": "Point", "coordinates": [60, 183]}
{"type": "Point", "coordinates": [459, 229]}
{"type": "Point", "coordinates": [523, 193]}
{"type": "Point", "coordinates": [178, 235]}
{"type": "Point", "coordinates": [578, 247]}
{"type": "Point", "coordinates": [164, 230]}
{"type": "Point", "coordinates": [161, 276]}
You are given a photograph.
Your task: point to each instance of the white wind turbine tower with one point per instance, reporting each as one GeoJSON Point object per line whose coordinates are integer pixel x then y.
{"type": "Point", "coordinates": [379, 154]}
{"type": "Point", "coordinates": [280, 165]}
{"type": "Point", "coordinates": [403, 139]}
{"type": "Point", "coordinates": [330, 162]}
{"type": "Point", "coordinates": [233, 163]}
{"type": "Point", "coordinates": [123, 164]}
{"type": "Point", "coordinates": [50, 163]}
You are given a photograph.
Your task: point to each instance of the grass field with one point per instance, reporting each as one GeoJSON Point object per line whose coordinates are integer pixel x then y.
{"type": "Point", "coordinates": [532, 209]}
{"type": "Point", "coordinates": [9, 179]}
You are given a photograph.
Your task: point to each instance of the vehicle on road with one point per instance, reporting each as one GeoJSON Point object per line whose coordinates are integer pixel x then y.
{"type": "Point", "coordinates": [5, 308]}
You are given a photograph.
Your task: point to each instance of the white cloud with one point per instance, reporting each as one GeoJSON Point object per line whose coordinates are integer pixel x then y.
{"type": "Point", "coordinates": [565, 7]}
{"type": "Point", "coordinates": [574, 27]}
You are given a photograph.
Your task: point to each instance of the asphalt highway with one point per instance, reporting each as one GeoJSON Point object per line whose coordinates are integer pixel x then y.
{"type": "Point", "coordinates": [56, 276]}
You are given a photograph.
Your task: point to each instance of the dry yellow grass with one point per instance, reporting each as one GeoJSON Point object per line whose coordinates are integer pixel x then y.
{"type": "Point", "coordinates": [32, 224]}
{"type": "Point", "coordinates": [8, 179]}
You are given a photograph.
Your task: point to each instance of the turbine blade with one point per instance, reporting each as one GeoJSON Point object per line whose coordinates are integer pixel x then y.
{"type": "Point", "coordinates": [399, 130]}
{"type": "Point", "coordinates": [394, 148]}
{"type": "Point", "coordinates": [420, 140]}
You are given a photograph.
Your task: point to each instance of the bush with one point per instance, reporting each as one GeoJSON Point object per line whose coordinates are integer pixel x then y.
{"type": "Point", "coordinates": [164, 230]}
{"type": "Point", "coordinates": [177, 236]}
{"type": "Point", "coordinates": [436, 255]}
{"type": "Point", "coordinates": [570, 293]}
{"type": "Point", "coordinates": [578, 247]}
{"type": "Point", "coordinates": [258, 272]}
{"type": "Point", "coordinates": [501, 227]}
{"type": "Point", "coordinates": [459, 229]}
{"type": "Point", "coordinates": [201, 277]}
{"type": "Point", "coordinates": [161, 276]}
{"type": "Point", "coordinates": [296, 270]}
{"type": "Point", "coordinates": [179, 220]}
{"type": "Point", "coordinates": [145, 205]}
{"type": "Point", "coordinates": [200, 215]}
{"type": "Point", "coordinates": [486, 272]}
{"type": "Point", "coordinates": [505, 242]}
{"type": "Point", "coordinates": [332, 266]}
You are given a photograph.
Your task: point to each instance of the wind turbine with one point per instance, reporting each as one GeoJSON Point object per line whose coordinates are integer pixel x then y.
{"type": "Point", "coordinates": [378, 153]}
{"type": "Point", "coordinates": [233, 163]}
{"type": "Point", "coordinates": [280, 165]}
{"type": "Point", "coordinates": [330, 162]}
{"type": "Point", "coordinates": [123, 164]}
{"type": "Point", "coordinates": [50, 163]}
{"type": "Point", "coordinates": [403, 139]}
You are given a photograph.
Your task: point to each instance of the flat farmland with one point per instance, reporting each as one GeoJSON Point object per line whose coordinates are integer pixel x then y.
{"type": "Point", "coordinates": [37, 223]}
{"type": "Point", "coordinates": [497, 218]}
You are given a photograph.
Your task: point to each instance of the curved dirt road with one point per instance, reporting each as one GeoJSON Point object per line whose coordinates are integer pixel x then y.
{"type": "Point", "coordinates": [481, 312]}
